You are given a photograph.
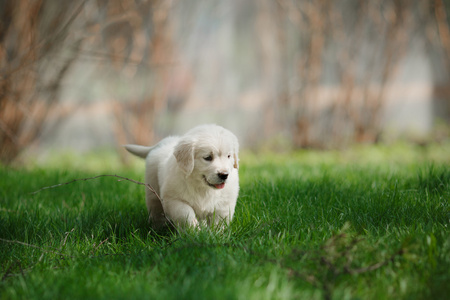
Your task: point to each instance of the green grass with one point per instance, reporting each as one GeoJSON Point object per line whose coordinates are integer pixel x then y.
{"type": "Point", "coordinates": [366, 223]}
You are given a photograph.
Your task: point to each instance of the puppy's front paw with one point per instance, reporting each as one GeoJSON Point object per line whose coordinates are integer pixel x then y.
{"type": "Point", "coordinates": [194, 223]}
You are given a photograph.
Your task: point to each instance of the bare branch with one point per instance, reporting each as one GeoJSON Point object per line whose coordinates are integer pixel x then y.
{"type": "Point", "coordinates": [376, 265]}
{"type": "Point", "coordinates": [65, 238]}
{"type": "Point", "coordinates": [9, 273]}
{"type": "Point", "coordinates": [99, 176]}
{"type": "Point", "coordinates": [97, 246]}
{"type": "Point", "coordinates": [34, 246]}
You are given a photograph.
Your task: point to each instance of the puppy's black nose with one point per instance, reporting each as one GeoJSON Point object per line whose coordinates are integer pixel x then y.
{"type": "Point", "coordinates": [223, 176]}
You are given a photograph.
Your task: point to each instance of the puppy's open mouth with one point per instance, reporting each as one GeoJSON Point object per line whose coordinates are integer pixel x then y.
{"type": "Point", "coordinates": [216, 186]}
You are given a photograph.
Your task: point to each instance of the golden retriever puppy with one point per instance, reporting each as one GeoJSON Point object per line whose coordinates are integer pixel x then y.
{"type": "Point", "coordinates": [196, 176]}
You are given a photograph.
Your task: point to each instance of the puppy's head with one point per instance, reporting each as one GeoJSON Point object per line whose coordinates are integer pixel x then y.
{"type": "Point", "coordinates": [208, 153]}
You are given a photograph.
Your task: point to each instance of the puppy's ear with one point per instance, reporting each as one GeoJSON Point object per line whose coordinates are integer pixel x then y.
{"type": "Point", "coordinates": [184, 153]}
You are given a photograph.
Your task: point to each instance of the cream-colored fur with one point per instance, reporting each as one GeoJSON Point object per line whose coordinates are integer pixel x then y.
{"type": "Point", "coordinates": [196, 176]}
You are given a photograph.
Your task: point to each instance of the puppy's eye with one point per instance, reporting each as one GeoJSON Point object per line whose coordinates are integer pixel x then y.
{"type": "Point", "coordinates": [229, 155]}
{"type": "Point", "coordinates": [208, 158]}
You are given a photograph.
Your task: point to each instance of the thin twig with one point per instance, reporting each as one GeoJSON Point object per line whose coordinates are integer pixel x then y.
{"type": "Point", "coordinates": [34, 246]}
{"type": "Point", "coordinates": [147, 185]}
{"type": "Point", "coordinates": [99, 176]}
{"type": "Point", "coordinates": [65, 238]}
{"type": "Point", "coordinates": [96, 247]}
{"type": "Point", "coordinates": [8, 271]}
{"type": "Point", "coordinates": [375, 266]}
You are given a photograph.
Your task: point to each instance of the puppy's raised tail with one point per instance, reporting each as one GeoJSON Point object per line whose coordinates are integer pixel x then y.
{"type": "Point", "coordinates": [141, 151]}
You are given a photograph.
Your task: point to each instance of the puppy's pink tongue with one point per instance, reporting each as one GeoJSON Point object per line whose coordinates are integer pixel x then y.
{"type": "Point", "coordinates": [220, 186]}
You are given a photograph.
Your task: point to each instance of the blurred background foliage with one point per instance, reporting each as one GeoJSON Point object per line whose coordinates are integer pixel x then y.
{"type": "Point", "coordinates": [285, 73]}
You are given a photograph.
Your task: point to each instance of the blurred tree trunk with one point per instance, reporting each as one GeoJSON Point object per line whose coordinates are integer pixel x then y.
{"type": "Point", "coordinates": [441, 10]}
{"type": "Point", "coordinates": [39, 43]}
{"type": "Point", "coordinates": [32, 66]}
{"type": "Point", "coordinates": [138, 35]}
{"type": "Point", "coordinates": [348, 52]}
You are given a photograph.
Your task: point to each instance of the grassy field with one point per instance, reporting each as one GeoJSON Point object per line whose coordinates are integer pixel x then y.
{"type": "Point", "coordinates": [366, 223]}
